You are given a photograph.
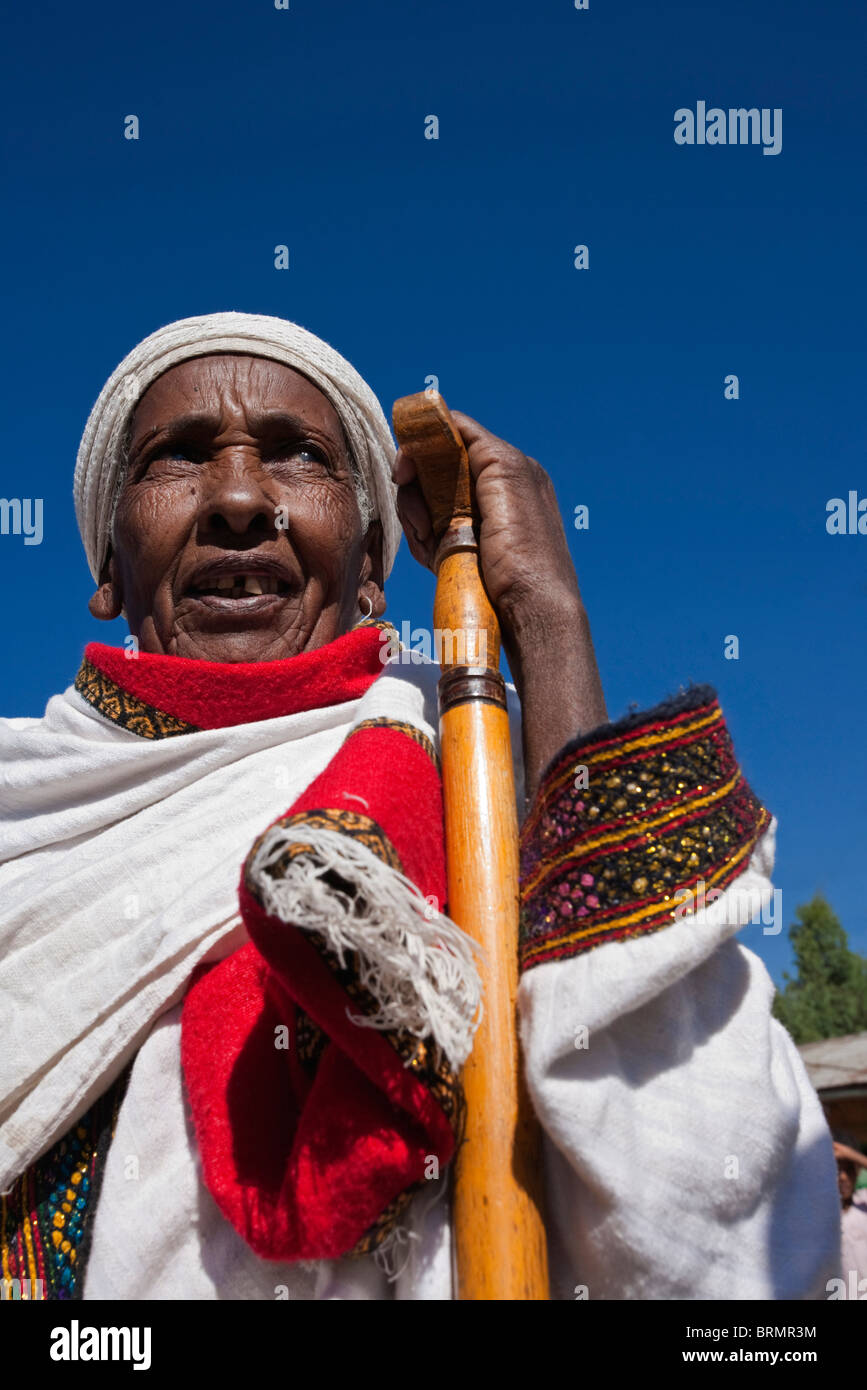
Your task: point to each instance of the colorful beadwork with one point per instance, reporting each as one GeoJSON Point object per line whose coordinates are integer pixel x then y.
{"type": "Point", "coordinates": [662, 806]}
{"type": "Point", "coordinates": [45, 1220]}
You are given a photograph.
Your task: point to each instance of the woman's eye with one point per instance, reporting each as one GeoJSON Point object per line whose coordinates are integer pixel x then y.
{"type": "Point", "coordinates": [304, 449]}
{"type": "Point", "coordinates": [178, 453]}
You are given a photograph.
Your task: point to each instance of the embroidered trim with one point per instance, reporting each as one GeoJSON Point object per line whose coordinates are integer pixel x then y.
{"type": "Point", "coordinates": [310, 1041]}
{"type": "Point", "coordinates": [352, 823]}
{"type": "Point", "coordinates": [432, 1070]}
{"type": "Point", "coordinates": [665, 806]}
{"type": "Point", "coordinates": [382, 623]}
{"type": "Point", "coordinates": [121, 707]}
{"type": "Point", "coordinates": [46, 1221]}
{"type": "Point", "coordinates": [401, 727]}
{"type": "Point", "coordinates": [113, 702]}
{"type": "Point", "coordinates": [434, 1073]}
{"type": "Point", "coordinates": [385, 1224]}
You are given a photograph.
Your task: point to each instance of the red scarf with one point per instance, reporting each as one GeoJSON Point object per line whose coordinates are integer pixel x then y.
{"type": "Point", "coordinates": [313, 1132]}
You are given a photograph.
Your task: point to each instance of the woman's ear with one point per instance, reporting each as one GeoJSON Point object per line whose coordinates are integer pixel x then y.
{"type": "Point", "coordinates": [107, 602]}
{"type": "Point", "coordinates": [371, 585]}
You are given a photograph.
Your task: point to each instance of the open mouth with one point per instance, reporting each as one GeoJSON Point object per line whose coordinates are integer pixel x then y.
{"type": "Point", "coordinates": [240, 586]}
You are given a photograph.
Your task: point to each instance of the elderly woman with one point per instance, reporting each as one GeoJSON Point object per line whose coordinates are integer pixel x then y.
{"type": "Point", "coordinates": [213, 1089]}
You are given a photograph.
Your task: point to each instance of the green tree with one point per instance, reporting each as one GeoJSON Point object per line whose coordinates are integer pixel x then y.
{"type": "Point", "coordinates": [828, 996]}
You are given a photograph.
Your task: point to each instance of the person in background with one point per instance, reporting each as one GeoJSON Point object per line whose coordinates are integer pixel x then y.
{"type": "Point", "coordinates": [853, 1214]}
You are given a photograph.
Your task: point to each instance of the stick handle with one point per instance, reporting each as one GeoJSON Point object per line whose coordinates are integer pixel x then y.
{"type": "Point", "coordinates": [499, 1233]}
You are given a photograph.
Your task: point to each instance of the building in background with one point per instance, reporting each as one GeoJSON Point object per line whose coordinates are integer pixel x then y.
{"type": "Point", "coordinates": [837, 1067]}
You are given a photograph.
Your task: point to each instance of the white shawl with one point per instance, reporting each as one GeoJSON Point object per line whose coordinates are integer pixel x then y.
{"type": "Point", "coordinates": [685, 1070]}
{"type": "Point", "coordinates": [89, 960]}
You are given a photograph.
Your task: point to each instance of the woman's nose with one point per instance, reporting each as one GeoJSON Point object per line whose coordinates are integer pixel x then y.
{"type": "Point", "coordinates": [234, 502]}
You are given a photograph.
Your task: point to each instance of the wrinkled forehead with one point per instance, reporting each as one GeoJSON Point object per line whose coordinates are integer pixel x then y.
{"type": "Point", "coordinates": [237, 388]}
{"type": "Point", "coordinates": [104, 450]}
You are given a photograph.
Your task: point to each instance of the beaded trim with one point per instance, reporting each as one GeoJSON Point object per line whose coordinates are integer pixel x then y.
{"type": "Point", "coordinates": [431, 1068]}
{"type": "Point", "coordinates": [665, 806]}
{"type": "Point", "coordinates": [46, 1220]}
{"type": "Point", "coordinates": [115, 703]}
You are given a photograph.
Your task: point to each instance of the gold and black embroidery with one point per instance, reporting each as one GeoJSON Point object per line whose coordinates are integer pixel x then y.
{"type": "Point", "coordinates": [417, 1054]}
{"type": "Point", "coordinates": [427, 1064]}
{"type": "Point", "coordinates": [382, 623]}
{"type": "Point", "coordinates": [310, 1041]}
{"type": "Point", "coordinates": [352, 823]}
{"type": "Point", "coordinates": [113, 702]}
{"type": "Point", "coordinates": [384, 1224]}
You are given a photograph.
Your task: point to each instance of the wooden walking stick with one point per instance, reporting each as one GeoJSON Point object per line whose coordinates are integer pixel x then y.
{"type": "Point", "coordinates": [499, 1233]}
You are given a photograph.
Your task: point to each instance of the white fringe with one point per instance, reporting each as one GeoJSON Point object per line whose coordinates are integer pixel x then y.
{"type": "Point", "coordinates": [397, 1242]}
{"type": "Point", "coordinates": [415, 962]}
{"type": "Point", "coordinates": [395, 1252]}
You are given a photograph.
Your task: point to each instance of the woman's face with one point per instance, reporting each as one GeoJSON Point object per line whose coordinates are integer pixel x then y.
{"type": "Point", "coordinates": [845, 1180]}
{"type": "Point", "coordinates": [237, 535]}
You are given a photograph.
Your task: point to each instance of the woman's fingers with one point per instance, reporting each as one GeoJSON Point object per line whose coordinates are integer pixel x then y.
{"type": "Point", "coordinates": [403, 468]}
{"type": "Point", "coordinates": [522, 539]}
{"type": "Point", "coordinates": [485, 449]}
{"type": "Point", "coordinates": [416, 522]}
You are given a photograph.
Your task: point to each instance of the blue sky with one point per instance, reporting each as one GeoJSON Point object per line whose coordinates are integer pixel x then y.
{"type": "Point", "coordinates": [305, 127]}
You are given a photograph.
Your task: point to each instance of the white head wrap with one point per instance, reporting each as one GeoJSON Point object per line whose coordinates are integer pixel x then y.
{"type": "Point", "coordinates": [98, 470]}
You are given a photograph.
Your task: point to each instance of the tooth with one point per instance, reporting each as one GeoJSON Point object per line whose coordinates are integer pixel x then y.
{"type": "Point", "coordinates": [225, 581]}
{"type": "Point", "coordinates": [253, 585]}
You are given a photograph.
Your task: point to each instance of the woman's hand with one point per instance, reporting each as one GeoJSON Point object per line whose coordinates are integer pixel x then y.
{"type": "Point", "coordinates": [531, 582]}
